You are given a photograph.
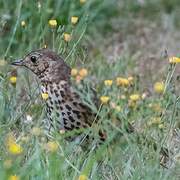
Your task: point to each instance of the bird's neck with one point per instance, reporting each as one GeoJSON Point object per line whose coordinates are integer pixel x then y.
{"type": "Point", "coordinates": [56, 90]}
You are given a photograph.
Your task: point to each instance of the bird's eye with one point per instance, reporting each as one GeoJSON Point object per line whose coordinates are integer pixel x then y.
{"type": "Point", "coordinates": [33, 59]}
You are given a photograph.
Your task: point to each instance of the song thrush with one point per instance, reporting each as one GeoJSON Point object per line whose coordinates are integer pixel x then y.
{"type": "Point", "coordinates": [63, 101]}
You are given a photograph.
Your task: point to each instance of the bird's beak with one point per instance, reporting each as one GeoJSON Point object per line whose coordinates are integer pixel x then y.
{"type": "Point", "coordinates": [18, 62]}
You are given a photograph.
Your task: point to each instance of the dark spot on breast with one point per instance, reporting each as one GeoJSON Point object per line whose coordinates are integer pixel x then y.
{"type": "Point", "coordinates": [65, 121]}
{"type": "Point", "coordinates": [71, 119]}
{"type": "Point", "coordinates": [84, 114]}
{"type": "Point", "coordinates": [75, 111]}
{"type": "Point", "coordinates": [59, 101]}
{"type": "Point", "coordinates": [51, 107]}
{"type": "Point", "coordinates": [69, 113]}
{"type": "Point", "coordinates": [76, 95]}
{"type": "Point", "coordinates": [51, 102]}
{"type": "Point", "coordinates": [78, 123]}
{"type": "Point", "coordinates": [85, 126]}
{"type": "Point", "coordinates": [63, 101]}
{"type": "Point", "coordinates": [57, 114]}
{"type": "Point", "coordinates": [72, 126]}
{"type": "Point", "coordinates": [63, 113]}
{"type": "Point", "coordinates": [62, 94]}
{"type": "Point", "coordinates": [68, 107]}
{"type": "Point", "coordinates": [51, 90]}
{"type": "Point", "coordinates": [75, 103]}
{"type": "Point", "coordinates": [67, 128]}
{"type": "Point", "coordinates": [82, 106]}
{"type": "Point", "coordinates": [77, 127]}
{"type": "Point", "coordinates": [61, 108]}
{"type": "Point", "coordinates": [57, 95]}
{"type": "Point", "coordinates": [79, 116]}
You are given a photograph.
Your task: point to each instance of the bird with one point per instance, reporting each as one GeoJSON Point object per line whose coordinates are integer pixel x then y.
{"type": "Point", "coordinates": [63, 103]}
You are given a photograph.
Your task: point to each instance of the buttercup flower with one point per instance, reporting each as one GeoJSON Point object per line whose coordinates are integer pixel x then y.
{"type": "Point", "coordinates": [108, 82]}
{"type": "Point", "coordinates": [159, 87]}
{"type": "Point", "coordinates": [13, 80]}
{"type": "Point", "coordinates": [74, 19]}
{"type": "Point", "coordinates": [74, 72]}
{"type": "Point", "coordinates": [13, 177]}
{"type": "Point", "coordinates": [104, 99]}
{"type": "Point", "coordinates": [12, 147]}
{"type": "Point", "coordinates": [52, 23]}
{"type": "Point", "coordinates": [67, 37]}
{"type": "Point", "coordinates": [122, 81]}
{"type": "Point", "coordinates": [134, 97]}
{"type": "Point", "coordinates": [45, 96]}
{"type": "Point", "coordinates": [174, 60]}
{"type": "Point", "coordinates": [82, 177]}
{"type": "Point", "coordinates": [83, 72]}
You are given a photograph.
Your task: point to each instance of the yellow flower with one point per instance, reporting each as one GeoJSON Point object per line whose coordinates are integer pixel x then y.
{"type": "Point", "coordinates": [52, 23]}
{"type": "Point", "coordinates": [104, 99]}
{"type": "Point", "coordinates": [82, 1]}
{"type": "Point", "coordinates": [74, 19]}
{"type": "Point", "coordinates": [13, 79]}
{"type": "Point", "coordinates": [173, 60]}
{"type": "Point", "coordinates": [23, 23]}
{"type": "Point", "coordinates": [67, 37]}
{"type": "Point", "coordinates": [45, 96]}
{"type": "Point", "coordinates": [74, 72]}
{"type": "Point", "coordinates": [13, 177]}
{"type": "Point", "coordinates": [83, 72]}
{"type": "Point", "coordinates": [108, 82]}
{"type": "Point", "coordinates": [12, 146]}
{"type": "Point", "coordinates": [82, 177]}
{"type": "Point", "coordinates": [36, 131]}
{"type": "Point", "coordinates": [122, 81]}
{"type": "Point", "coordinates": [159, 87]}
{"type": "Point", "coordinates": [51, 146]}
{"type": "Point", "coordinates": [134, 97]}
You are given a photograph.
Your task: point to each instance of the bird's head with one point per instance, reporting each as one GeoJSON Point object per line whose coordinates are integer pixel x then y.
{"type": "Point", "coordinates": [46, 64]}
